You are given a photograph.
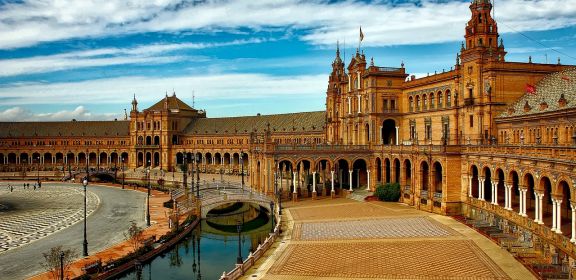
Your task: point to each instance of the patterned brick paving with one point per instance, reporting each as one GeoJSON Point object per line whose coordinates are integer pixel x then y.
{"type": "Point", "coordinates": [35, 214]}
{"type": "Point", "coordinates": [437, 259]}
{"type": "Point", "coordinates": [338, 212]}
{"type": "Point", "coordinates": [408, 227]}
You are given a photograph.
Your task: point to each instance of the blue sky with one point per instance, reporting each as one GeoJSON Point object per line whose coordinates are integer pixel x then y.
{"type": "Point", "coordinates": [86, 59]}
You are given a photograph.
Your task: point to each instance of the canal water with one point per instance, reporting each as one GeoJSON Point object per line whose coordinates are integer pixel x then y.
{"type": "Point", "coordinates": [210, 249]}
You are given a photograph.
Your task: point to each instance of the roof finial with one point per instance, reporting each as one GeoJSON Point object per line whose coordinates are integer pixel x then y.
{"type": "Point", "coordinates": [173, 93]}
{"type": "Point", "coordinates": [193, 99]}
{"type": "Point", "coordinates": [125, 114]}
{"type": "Point", "coordinates": [372, 61]}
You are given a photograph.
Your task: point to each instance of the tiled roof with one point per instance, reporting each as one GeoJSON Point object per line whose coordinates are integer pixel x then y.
{"type": "Point", "coordinates": [548, 95]}
{"type": "Point", "coordinates": [174, 103]}
{"type": "Point", "coordinates": [306, 121]}
{"type": "Point", "coordinates": [69, 128]}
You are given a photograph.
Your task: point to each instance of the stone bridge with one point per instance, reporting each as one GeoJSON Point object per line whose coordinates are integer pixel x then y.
{"type": "Point", "coordinates": [213, 195]}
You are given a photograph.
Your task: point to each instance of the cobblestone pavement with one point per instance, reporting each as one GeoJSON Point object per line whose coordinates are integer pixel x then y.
{"type": "Point", "coordinates": [381, 228]}
{"type": "Point", "coordinates": [34, 214]}
{"type": "Point", "coordinates": [344, 239]}
{"type": "Point", "coordinates": [446, 259]}
{"type": "Point", "coordinates": [340, 211]}
{"type": "Point", "coordinates": [106, 225]}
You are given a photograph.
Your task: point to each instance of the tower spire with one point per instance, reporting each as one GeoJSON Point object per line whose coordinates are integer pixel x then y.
{"type": "Point", "coordinates": [134, 104]}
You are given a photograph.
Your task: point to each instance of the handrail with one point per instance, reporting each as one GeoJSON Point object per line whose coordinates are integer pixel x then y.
{"type": "Point", "coordinates": [253, 257]}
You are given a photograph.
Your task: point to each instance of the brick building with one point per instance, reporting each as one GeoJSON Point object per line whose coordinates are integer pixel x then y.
{"type": "Point", "coordinates": [487, 136]}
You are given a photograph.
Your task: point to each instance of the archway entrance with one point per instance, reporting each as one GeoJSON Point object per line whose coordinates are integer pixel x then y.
{"type": "Point", "coordinates": [389, 132]}
{"type": "Point", "coordinates": [360, 176]}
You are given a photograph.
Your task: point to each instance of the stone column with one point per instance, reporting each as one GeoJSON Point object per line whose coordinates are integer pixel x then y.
{"type": "Point", "coordinates": [350, 172]}
{"type": "Point", "coordinates": [540, 208]}
{"type": "Point", "coordinates": [554, 215]}
{"type": "Point", "coordinates": [558, 216]}
{"type": "Point", "coordinates": [368, 187]}
{"type": "Point", "coordinates": [507, 199]}
{"type": "Point", "coordinates": [481, 188]}
{"type": "Point", "coordinates": [523, 202]}
{"type": "Point", "coordinates": [397, 136]}
{"type": "Point", "coordinates": [359, 104]}
{"type": "Point", "coordinates": [494, 193]}
{"type": "Point", "coordinates": [314, 181]}
{"type": "Point", "coordinates": [573, 239]}
{"type": "Point", "coordinates": [537, 206]}
{"type": "Point", "coordinates": [295, 193]}
{"type": "Point", "coordinates": [470, 187]}
{"type": "Point", "coordinates": [294, 182]}
{"type": "Point", "coordinates": [349, 106]}
{"type": "Point", "coordinates": [332, 191]}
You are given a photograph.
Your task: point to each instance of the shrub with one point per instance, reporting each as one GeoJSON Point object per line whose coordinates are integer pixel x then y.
{"type": "Point", "coordinates": [388, 192]}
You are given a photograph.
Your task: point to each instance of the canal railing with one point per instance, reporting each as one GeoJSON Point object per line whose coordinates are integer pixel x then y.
{"type": "Point", "coordinates": [212, 195]}
{"type": "Point", "coordinates": [253, 257]}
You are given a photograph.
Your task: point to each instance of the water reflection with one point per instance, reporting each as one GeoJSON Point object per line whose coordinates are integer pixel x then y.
{"type": "Point", "coordinates": [210, 249]}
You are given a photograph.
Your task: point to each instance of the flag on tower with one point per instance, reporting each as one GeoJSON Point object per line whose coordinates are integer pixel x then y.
{"type": "Point", "coordinates": [361, 34]}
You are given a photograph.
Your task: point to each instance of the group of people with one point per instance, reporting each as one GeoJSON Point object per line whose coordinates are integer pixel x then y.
{"type": "Point", "coordinates": [25, 186]}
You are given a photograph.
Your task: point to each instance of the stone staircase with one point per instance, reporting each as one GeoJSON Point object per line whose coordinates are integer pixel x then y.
{"type": "Point", "coordinates": [360, 195]}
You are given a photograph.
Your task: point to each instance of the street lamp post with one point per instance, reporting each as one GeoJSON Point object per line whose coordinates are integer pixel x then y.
{"type": "Point", "coordinates": [185, 171]}
{"type": "Point", "coordinates": [61, 265]}
{"type": "Point", "coordinates": [123, 174]}
{"type": "Point", "coordinates": [239, 229]}
{"type": "Point", "coordinates": [38, 171]}
{"type": "Point", "coordinates": [68, 160]}
{"type": "Point", "coordinates": [192, 175]}
{"type": "Point", "coordinates": [197, 176]}
{"type": "Point", "coordinates": [148, 200]}
{"type": "Point", "coordinates": [242, 170]}
{"type": "Point", "coordinates": [272, 215]}
{"type": "Point", "coordinates": [85, 243]}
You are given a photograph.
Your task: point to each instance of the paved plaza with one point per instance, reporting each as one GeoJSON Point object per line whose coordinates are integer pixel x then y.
{"type": "Point", "coordinates": [37, 220]}
{"type": "Point", "coordinates": [345, 239]}
{"type": "Point", "coordinates": [34, 214]}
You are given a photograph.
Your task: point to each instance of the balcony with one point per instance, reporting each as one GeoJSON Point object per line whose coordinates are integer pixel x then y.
{"type": "Point", "coordinates": [468, 101]}
{"type": "Point", "coordinates": [553, 153]}
{"type": "Point", "coordinates": [141, 146]}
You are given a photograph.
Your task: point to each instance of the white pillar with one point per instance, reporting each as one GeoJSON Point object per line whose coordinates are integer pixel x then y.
{"type": "Point", "coordinates": [508, 195]}
{"type": "Point", "coordinates": [523, 202]}
{"type": "Point", "coordinates": [554, 215]}
{"type": "Point", "coordinates": [350, 172]}
{"type": "Point", "coordinates": [397, 136]}
{"type": "Point", "coordinates": [540, 209]}
{"type": "Point", "coordinates": [494, 193]}
{"type": "Point", "coordinates": [470, 187]}
{"type": "Point", "coordinates": [295, 182]}
{"type": "Point", "coordinates": [349, 84]}
{"type": "Point", "coordinates": [573, 239]}
{"type": "Point", "coordinates": [349, 106]}
{"type": "Point", "coordinates": [481, 188]}
{"type": "Point", "coordinates": [332, 181]}
{"type": "Point", "coordinates": [359, 81]}
{"type": "Point", "coordinates": [368, 187]}
{"type": "Point", "coordinates": [359, 104]}
{"type": "Point", "coordinates": [558, 216]}
{"type": "Point", "coordinates": [537, 206]}
{"type": "Point", "coordinates": [314, 181]}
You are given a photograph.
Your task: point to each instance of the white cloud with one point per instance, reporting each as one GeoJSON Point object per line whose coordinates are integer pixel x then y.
{"type": "Point", "coordinates": [151, 89]}
{"type": "Point", "coordinates": [384, 23]}
{"type": "Point", "coordinates": [79, 113]}
{"type": "Point", "coordinates": [148, 54]}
